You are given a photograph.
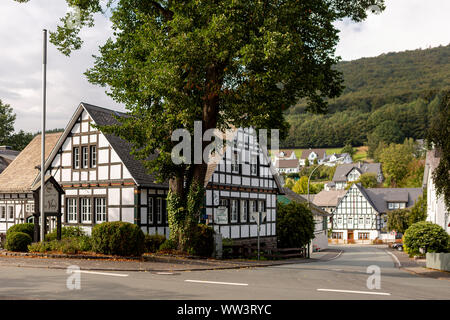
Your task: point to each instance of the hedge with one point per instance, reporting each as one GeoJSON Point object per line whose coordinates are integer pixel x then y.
{"type": "Point", "coordinates": [153, 242]}
{"type": "Point", "coordinates": [18, 241]}
{"type": "Point", "coordinates": [427, 235]}
{"type": "Point", "coordinates": [66, 232]}
{"type": "Point", "coordinates": [203, 241]}
{"type": "Point", "coordinates": [27, 228]}
{"type": "Point", "coordinates": [118, 238]}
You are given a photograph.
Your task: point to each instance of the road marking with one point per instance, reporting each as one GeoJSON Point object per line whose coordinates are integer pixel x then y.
{"type": "Point", "coordinates": [351, 291]}
{"type": "Point", "coordinates": [215, 282]}
{"type": "Point", "coordinates": [395, 258]}
{"type": "Point", "coordinates": [102, 273]}
{"type": "Point", "coordinates": [165, 273]}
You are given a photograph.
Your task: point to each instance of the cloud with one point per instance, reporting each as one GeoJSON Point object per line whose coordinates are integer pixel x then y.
{"type": "Point", "coordinates": [404, 25]}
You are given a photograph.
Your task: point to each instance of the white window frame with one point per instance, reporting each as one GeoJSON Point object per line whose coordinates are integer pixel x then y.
{"type": "Point", "coordinates": [72, 210]}
{"type": "Point", "coordinates": [158, 210]}
{"type": "Point", "coordinates": [234, 210]}
{"type": "Point", "coordinates": [86, 210]}
{"type": "Point", "coordinates": [244, 210]}
{"type": "Point", "coordinates": [150, 210]}
{"type": "Point", "coordinates": [93, 156]}
{"type": "Point", "coordinates": [235, 162]}
{"type": "Point", "coordinates": [262, 205]}
{"type": "Point", "coordinates": [100, 209]}
{"type": "Point", "coordinates": [84, 157]}
{"type": "Point", "coordinates": [253, 165]}
{"type": "Point", "coordinates": [10, 213]}
{"type": "Point", "coordinates": [76, 158]}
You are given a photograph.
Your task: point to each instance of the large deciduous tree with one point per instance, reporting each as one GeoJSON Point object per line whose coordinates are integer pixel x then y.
{"type": "Point", "coordinates": [225, 63]}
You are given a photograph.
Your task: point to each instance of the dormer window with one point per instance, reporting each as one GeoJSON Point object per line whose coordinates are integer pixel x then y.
{"type": "Point", "coordinates": [396, 205]}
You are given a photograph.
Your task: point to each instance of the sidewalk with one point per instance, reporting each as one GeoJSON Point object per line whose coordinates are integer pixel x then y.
{"type": "Point", "coordinates": [417, 267]}
{"type": "Point", "coordinates": [149, 263]}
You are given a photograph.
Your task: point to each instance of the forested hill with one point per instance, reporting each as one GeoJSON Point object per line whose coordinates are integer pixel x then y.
{"type": "Point", "coordinates": [401, 88]}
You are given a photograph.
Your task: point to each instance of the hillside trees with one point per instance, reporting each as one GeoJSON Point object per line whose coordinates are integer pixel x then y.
{"type": "Point", "coordinates": [224, 63]}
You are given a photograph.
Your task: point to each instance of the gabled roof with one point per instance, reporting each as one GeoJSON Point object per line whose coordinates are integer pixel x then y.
{"type": "Point", "coordinates": [328, 198]}
{"type": "Point", "coordinates": [21, 173]}
{"type": "Point", "coordinates": [380, 197]}
{"type": "Point", "coordinates": [343, 170]}
{"type": "Point", "coordinates": [433, 158]}
{"type": "Point", "coordinates": [286, 163]}
{"type": "Point", "coordinates": [320, 153]}
{"type": "Point", "coordinates": [102, 116]}
{"type": "Point", "coordinates": [283, 153]}
{"type": "Point", "coordinates": [293, 196]}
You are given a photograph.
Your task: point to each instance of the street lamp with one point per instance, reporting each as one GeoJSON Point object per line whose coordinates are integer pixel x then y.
{"type": "Point", "coordinates": [309, 178]}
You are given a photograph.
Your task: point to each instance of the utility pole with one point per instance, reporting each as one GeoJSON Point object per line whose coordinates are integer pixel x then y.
{"type": "Point", "coordinates": [44, 102]}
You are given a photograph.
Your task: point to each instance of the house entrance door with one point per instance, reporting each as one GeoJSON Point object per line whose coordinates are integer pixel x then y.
{"type": "Point", "coordinates": [350, 235]}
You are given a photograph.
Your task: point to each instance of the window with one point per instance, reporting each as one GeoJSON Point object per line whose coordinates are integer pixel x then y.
{"type": "Point", "coordinates": [76, 158]}
{"type": "Point", "coordinates": [367, 221]}
{"type": "Point", "coordinates": [244, 210]}
{"type": "Point", "coordinates": [3, 213]}
{"type": "Point", "coordinates": [159, 210]}
{"type": "Point", "coordinates": [234, 210]}
{"type": "Point", "coordinates": [402, 205]}
{"type": "Point", "coordinates": [10, 213]}
{"type": "Point", "coordinates": [223, 203]}
{"type": "Point", "coordinates": [72, 210]}
{"type": "Point", "coordinates": [254, 165]}
{"type": "Point", "coordinates": [361, 221]}
{"type": "Point", "coordinates": [84, 157]}
{"type": "Point", "coordinates": [150, 210]}
{"type": "Point", "coordinates": [337, 235]}
{"type": "Point", "coordinates": [93, 156]}
{"type": "Point", "coordinates": [86, 211]}
{"type": "Point", "coordinates": [350, 220]}
{"type": "Point", "coordinates": [235, 162]}
{"type": "Point", "coordinates": [253, 208]}
{"type": "Point", "coordinates": [100, 209]}
{"type": "Point", "coordinates": [262, 205]}
{"type": "Point", "coordinates": [339, 220]}
{"type": "Point", "coordinates": [363, 235]}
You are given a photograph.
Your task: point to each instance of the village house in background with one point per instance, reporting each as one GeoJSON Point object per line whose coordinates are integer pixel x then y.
{"type": "Point", "coordinates": [283, 155]}
{"type": "Point", "coordinates": [321, 219]}
{"type": "Point", "coordinates": [337, 158]}
{"type": "Point", "coordinates": [311, 155]}
{"type": "Point", "coordinates": [287, 166]}
{"type": "Point", "coordinates": [7, 155]}
{"type": "Point", "coordinates": [436, 210]}
{"type": "Point", "coordinates": [347, 173]}
{"type": "Point", "coordinates": [361, 214]}
{"type": "Point", "coordinates": [103, 182]}
{"type": "Point", "coordinates": [327, 200]}
{"type": "Point", "coordinates": [18, 180]}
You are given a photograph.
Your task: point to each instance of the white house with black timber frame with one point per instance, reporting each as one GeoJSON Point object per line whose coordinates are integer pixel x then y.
{"type": "Point", "coordinates": [103, 182]}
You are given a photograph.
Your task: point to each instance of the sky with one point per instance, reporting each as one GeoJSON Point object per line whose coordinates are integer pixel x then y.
{"type": "Point", "coordinates": [404, 25]}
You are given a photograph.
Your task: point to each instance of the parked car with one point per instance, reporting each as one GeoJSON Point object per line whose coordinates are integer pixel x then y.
{"type": "Point", "coordinates": [398, 246]}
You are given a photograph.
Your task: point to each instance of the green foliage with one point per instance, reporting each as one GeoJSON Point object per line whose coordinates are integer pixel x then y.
{"type": "Point", "coordinates": [118, 238]}
{"type": "Point", "coordinates": [66, 232]}
{"type": "Point", "coordinates": [295, 225]}
{"type": "Point", "coordinates": [398, 220]}
{"type": "Point", "coordinates": [203, 242]}
{"type": "Point", "coordinates": [7, 119]}
{"type": "Point", "coordinates": [27, 228]}
{"type": "Point", "coordinates": [419, 211]}
{"type": "Point", "coordinates": [348, 149]}
{"type": "Point", "coordinates": [289, 183]}
{"type": "Point", "coordinates": [301, 186]}
{"type": "Point", "coordinates": [18, 241]}
{"type": "Point", "coordinates": [395, 160]}
{"type": "Point", "coordinates": [427, 235]}
{"type": "Point", "coordinates": [367, 180]}
{"type": "Point", "coordinates": [168, 245]}
{"type": "Point", "coordinates": [439, 136]}
{"type": "Point", "coordinates": [71, 245]}
{"type": "Point", "coordinates": [153, 242]}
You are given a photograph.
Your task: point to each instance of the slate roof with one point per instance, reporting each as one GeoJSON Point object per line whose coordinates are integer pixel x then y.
{"type": "Point", "coordinates": [433, 158]}
{"type": "Point", "coordinates": [103, 117]}
{"type": "Point", "coordinates": [19, 176]}
{"type": "Point", "coordinates": [321, 153]}
{"type": "Point", "coordinates": [381, 196]}
{"type": "Point", "coordinates": [286, 153]}
{"type": "Point", "coordinates": [343, 170]}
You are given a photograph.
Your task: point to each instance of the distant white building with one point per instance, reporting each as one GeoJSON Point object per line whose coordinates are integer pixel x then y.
{"type": "Point", "coordinates": [337, 158]}
{"type": "Point", "coordinates": [312, 155]}
{"type": "Point", "coordinates": [351, 172]}
{"type": "Point", "coordinates": [436, 210]}
{"type": "Point", "coordinates": [287, 166]}
{"type": "Point", "coordinates": [283, 155]}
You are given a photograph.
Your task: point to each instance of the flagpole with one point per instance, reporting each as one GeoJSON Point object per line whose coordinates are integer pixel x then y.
{"type": "Point", "coordinates": [44, 102]}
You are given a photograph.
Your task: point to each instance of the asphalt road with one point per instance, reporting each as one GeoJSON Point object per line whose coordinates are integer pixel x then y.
{"type": "Point", "coordinates": [342, 278]}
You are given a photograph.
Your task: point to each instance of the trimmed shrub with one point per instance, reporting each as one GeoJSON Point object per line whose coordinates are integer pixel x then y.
{"type": "Point", "coordinates": [168, 246]}
{"type": "Point", "coordinates": [295, 225]}
{"type": "Point", "coordinates": [203, 241]}
{"type": "Point", "coordinates": [71, 245]}
{"type": "Point", "coordinates": [18, 241]}
{"type": "Point", "coordinates": [118, 238]}
{"type": "Point", "coordinates": [27, 228]}
{"type": "Point", "coordinates": [66, 232]}
{"type": "Point", "coordinates": [153, 242]}
{"type": "Point", "coordinates": [427, 235]}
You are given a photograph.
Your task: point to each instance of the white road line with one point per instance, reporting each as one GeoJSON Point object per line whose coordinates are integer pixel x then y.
{"type": "Point", "coordinates": [395, 258]}
{"type": "Point", "coordinates": [102, 273]}
{"type": "Point", "coordinates": [215, 282]}
{"type": "Point", "coordinates": [360, 292]}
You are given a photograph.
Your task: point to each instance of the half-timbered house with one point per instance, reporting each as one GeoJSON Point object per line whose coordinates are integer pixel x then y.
{"type": "Point", "coordinates": [103, 182]}
{"type": "Point", "coordinates": [361, 214]}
